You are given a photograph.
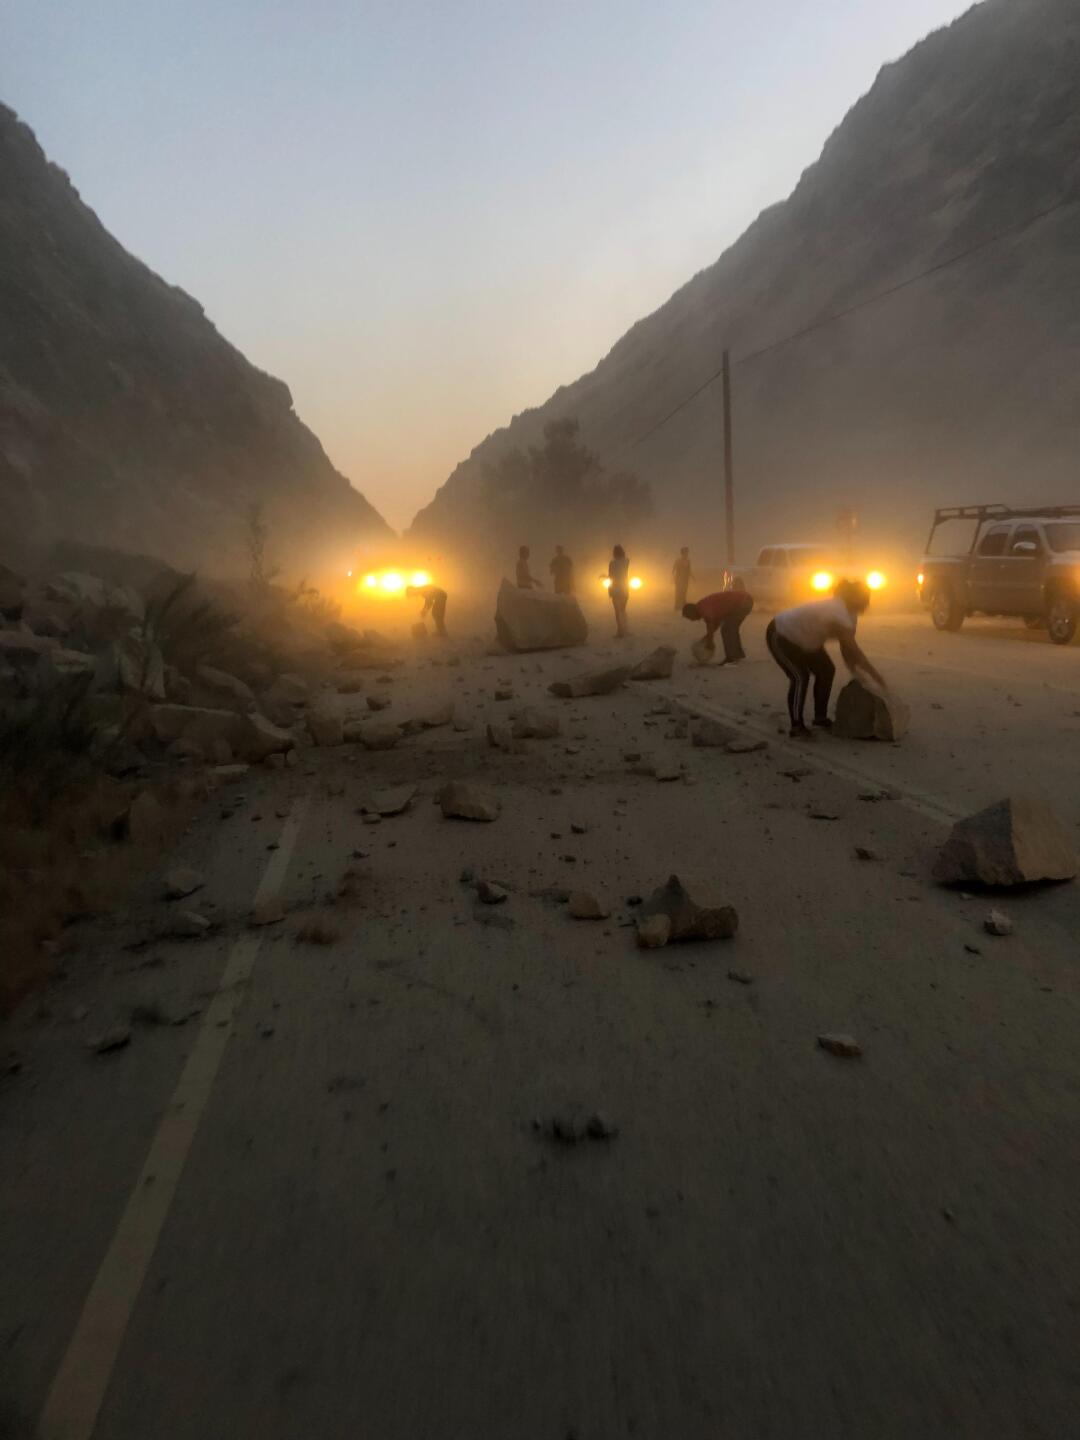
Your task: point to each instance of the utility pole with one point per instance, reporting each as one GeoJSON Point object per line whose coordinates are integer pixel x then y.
{"type": "Point", "coordinates": [729, 471]}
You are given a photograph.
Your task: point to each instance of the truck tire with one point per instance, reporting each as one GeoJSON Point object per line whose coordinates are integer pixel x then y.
{"type": "Point", "coordinates": [1061, 616]}
{"type": "Point", "coordinates": [945, 611]}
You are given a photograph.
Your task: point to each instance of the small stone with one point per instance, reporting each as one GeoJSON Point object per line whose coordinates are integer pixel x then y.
{"type": "Point", "coordinates": [863, 852]}
{"type": "Point", "coordinates": [504, 694]}
{"type": "Point", "coordinates": [181, 882]}
{"type": "Point", "coordinates": [745, 747]}
{"type": "Point", "coordinates": [378, 702]}
{"type": "Point", "coordinates": [599, 1127]}
{"type": "Point", "coordinates": [188, 925]}
{"type": "Point", "coordinates": [488, 893]}
{"type": "Point", "coordinates": [653, 931]}
{"type": "Point", "coordinates": [576, 829]}
{"type": "Point", "coordinates": [998, 923]}
{"type": "Point", "coordinates": [845, 1046]}
{"type": "Point", "coordinates": [270, 911]}
{"type": "Point", "coordinates": [741, 977]}
{"type": "Point", "coordinates": [972, 949]}
{"type": "Point", "coordinates": [585, 906]}
{"type": "Point", "coordinates": [115, 1038]}
{"type": "Point", "coordinates": [461, 801]}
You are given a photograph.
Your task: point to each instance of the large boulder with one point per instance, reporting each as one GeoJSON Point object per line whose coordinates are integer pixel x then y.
{"type": "Point", "coordinates": [1017, 841]}
{"type": "Point", "coordinates": [461, 801]}
{"type": "Point", "coordinates": [594, 682]}
{"type": "Point", "coordinates": [657, 666]}
{"type": "Point", "coordinates": [864, 712]}
{"type": "Point", "coordinates": [538, 619]}
{"type": "Point", "coordinates": [689, 921]}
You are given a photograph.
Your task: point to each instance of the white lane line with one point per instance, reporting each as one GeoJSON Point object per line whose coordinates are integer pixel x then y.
{"type": "Point", "coordinates": [811, 757]}
{"type": "Point", "coordinates": [72, 1406]}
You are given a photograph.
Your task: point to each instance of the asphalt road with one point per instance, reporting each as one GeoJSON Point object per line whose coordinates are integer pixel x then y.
{"type": "Point", "coordinates": [321, 1207]}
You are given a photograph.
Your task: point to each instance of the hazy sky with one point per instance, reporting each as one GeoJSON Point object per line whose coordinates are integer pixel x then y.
{"type": "Point", "coordinates": [424, 215]}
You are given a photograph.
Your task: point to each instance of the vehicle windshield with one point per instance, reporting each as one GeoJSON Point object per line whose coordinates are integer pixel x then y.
{"type": "Point", "coordinates": [1063, 537]}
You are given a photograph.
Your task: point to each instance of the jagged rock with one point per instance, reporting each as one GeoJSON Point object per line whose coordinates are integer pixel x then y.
{"type": "Point", "coordinates": [596, 682]}
{"type": "Point", "coordinates": [501, 737]}
{"type": "Point", "coordinates": [488, 893]}
{"type": "Point", "coordinates": [745, 747]}
{"type": "Point", "coordinates": [708, 732]}
{"type": "Point", "coordinates": [62, 665]}
{"type": "Point", "coordinates": [226, 686]}
{"type": "Point", "coordinates": [115, 1038]}
{"type": "Point", "coordinates": [538, 619]}
{"type": "Point", "coordinates": [585, 906]}
{"type": "Point", "coordinates": [998, 923]}
{"type": "Point", "coordinates": [431, 720]}
{"type": "Point", "coordinates": [373, 736]}
{"type": "Point", "coordinates": [843, 1046]}
{"type": "Point", "coordinates": [391, 801]}
{"type": "Point", "coordinates": [378, 702]}
{"type": "Point", "coordinates": [533, 724]}
{"type": "Point", "coordinates": [689, 921]}
{"type": "Point", "coordinates": [23, 651]}
{"type": "Point", "coordinates": [863, 712]}
{"type": "Point", "coordinates": [256, 738]}
{"type": "Point", "coordinates": [654, 931]}
{"type": "Point", "coordinates": [460, 801]}
{"type": "Point", "coordinates": [267, 912]}
{"type": "Point", "coordinates": [1017, 841]}
{"type": "Point", "coordinates": [703, 650]}
{"type": "Point", "coordinates": [326, 720]}
{"type": "Point", "coordinates": [181, 882]}
{"type": "Point", "coordinates": [187, 925]}
{"type": "Point", "coordinates": [667, 768]}
{"type": "Point", "coordinates": [657, 666]}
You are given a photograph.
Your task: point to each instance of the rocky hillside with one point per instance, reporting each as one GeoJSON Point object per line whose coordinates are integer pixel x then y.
{"type": "Point", "coordinates": [125, 418]}
{"type": "Point", "coordinates": [963, 387]}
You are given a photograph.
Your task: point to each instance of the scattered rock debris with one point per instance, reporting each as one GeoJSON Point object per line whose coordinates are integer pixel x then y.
{"type": "Point", "coordinates": [844, 1046]}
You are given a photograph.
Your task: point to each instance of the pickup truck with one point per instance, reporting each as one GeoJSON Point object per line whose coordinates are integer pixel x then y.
{"type": "Point", "coordinates": [1020, 562]}
{"type": "Point", "coordinates": [789, 574]}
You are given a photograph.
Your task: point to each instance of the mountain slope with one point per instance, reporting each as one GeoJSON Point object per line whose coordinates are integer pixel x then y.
{"type": "Point", "coordinates": [963, 387]}
{"type": "Point", "coordinates": [125, 418]}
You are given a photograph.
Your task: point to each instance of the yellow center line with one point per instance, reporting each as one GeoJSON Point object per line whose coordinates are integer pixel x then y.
{"type": "Point", "coordinates": [74, 1400]}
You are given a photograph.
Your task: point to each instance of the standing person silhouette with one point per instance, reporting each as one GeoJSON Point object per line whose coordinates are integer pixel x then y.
{"type": "Point", "coordinates": [562, 572]}
{"type": "Point", "coordinates": [682, 575]}
{"type": "Point", "coordinates": [619, 588]}
{"type": "Point", "coordinates": [525, 579]}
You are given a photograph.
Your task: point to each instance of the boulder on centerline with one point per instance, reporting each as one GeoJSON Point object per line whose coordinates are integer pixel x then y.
{"type": "Point", "coordinates": [657, 666]}
{"type": "Point", "coordinates": [538, 619]}
{"type": "Point", "coordinates": [593, 682]}
{"type": "Point", "coordinates": [689, 921]}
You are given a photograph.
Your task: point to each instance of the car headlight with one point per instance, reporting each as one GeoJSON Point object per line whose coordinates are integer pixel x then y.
{"type": "Point", "coordinates": [635, 582]}
{"type": "Point", "coordinates": [606, 582]}
{"type": "Point", "coordinates": [420, 577]}
{"type": "Point", "coordinates": [875, 580]}
{"type": "Point", "coordinates": [370, 582]}
{"type": "Point", "coordinates": [822, 580]}
{"type": "Point", "coordinates": [920, 578]}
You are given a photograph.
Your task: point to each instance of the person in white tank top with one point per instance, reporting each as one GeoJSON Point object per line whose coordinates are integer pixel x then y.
{"type": "Point", "coordinates": [796, 639]}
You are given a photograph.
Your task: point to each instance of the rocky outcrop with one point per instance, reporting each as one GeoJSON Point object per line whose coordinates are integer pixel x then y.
{"type": "Point", "coordinates": [960, 388]}
{"type": "Point", "coordinates": [125, 418]}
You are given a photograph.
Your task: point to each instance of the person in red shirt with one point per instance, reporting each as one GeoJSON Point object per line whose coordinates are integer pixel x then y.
{"type": "Point", "coordinates": [724, 611]}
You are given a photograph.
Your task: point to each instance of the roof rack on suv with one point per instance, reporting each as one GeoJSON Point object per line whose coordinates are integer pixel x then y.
{"type": "Point", "coordinates": [982, 513]}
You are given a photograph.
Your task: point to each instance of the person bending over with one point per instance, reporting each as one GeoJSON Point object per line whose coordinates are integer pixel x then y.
{"type": "Point", "coordinates": [797, 638]}
{"type": "Point", "coordinates": [434, 604]}
{"type": "Point", "coordinates": [724, 611]}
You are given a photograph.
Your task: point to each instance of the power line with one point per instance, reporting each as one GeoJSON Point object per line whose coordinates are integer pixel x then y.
{"type": "Point", "coordinates": [849, 310]}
